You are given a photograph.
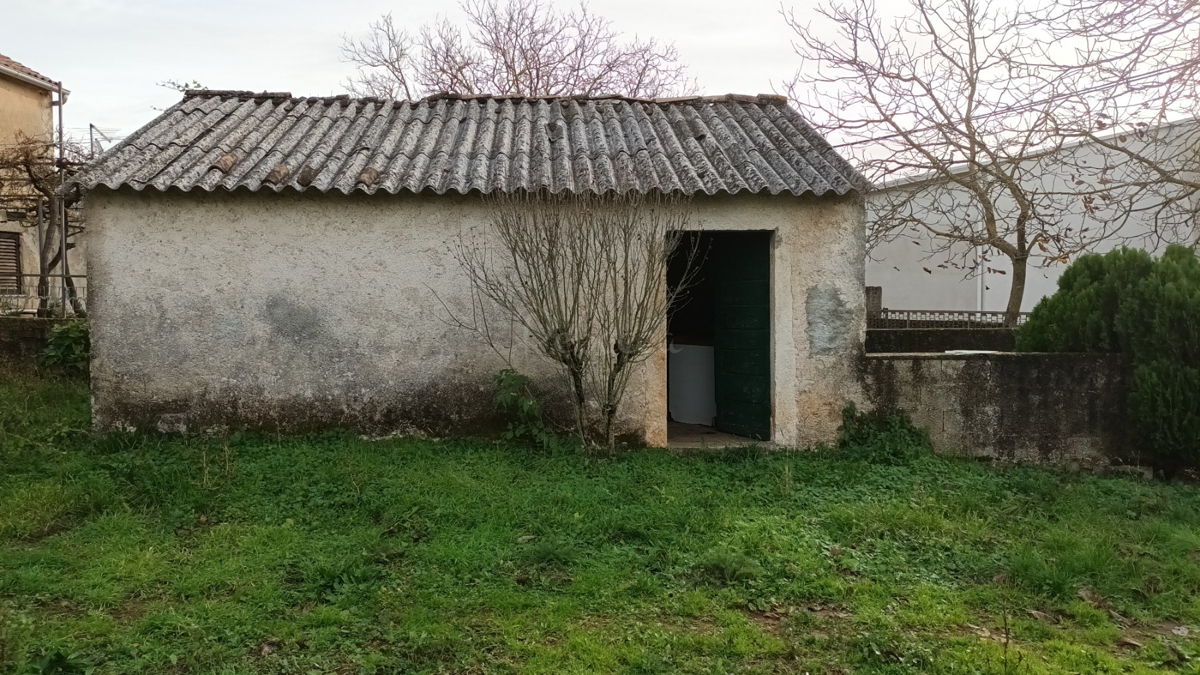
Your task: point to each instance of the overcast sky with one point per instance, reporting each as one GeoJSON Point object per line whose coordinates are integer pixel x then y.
{"type": "Point", "coordinates": [111, 53]}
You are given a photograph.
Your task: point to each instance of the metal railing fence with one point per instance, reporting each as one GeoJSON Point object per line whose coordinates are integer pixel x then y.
{"type": "Point", "coordinates": [919, 318]}
{"type": "Point", "coordinates": [52, 295]}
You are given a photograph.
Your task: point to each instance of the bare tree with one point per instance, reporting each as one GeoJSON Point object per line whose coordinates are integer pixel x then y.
{"type": "Point", "coordinates": [30, 178]}
{"type": "Point", "coordinates": [960, 111]}
{"type": "Point", "coordinates": [585, 277]}
{"type": "Point", "coordinates": [512, 47]}
{"type": "Point", "coordinates": [637, 236]}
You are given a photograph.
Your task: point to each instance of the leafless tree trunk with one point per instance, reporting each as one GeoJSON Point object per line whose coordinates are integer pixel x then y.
{"type": "Point", "coordinates": [49, 255]}
{"type": "Point", "coordinates": [585, 277]}
{"type": "Point", "coordinates": [967, 117]}
{"type": "Point", "coordinates": [511, 47]}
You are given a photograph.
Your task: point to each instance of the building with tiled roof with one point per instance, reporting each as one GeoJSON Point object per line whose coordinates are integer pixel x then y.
{"type": "Point", "coordinates": [28, 102]}
{"type": "Point", "coordinates": [19, 71]}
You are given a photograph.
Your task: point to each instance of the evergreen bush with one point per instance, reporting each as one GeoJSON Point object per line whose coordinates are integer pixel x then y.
{"type": "Point", "coordinates": [1127, 302]}
{"type": "Point", "coordinates": [1081, 316]}
{"type": "Point", "coordinates": [1160, 322]}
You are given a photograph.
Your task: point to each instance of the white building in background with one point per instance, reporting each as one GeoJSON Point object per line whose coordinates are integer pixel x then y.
{"type": "Point", "coordinates": [914, 273]}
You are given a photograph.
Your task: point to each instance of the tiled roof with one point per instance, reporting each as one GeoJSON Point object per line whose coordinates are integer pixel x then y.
{"type": "Point", "coordinates": [18, 67]}
{"type": "Point", "coordinates": [229, 140]}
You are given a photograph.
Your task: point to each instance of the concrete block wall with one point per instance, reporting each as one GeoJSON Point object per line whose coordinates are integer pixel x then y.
{"type": "Point", "coordinates": [1060, 409]}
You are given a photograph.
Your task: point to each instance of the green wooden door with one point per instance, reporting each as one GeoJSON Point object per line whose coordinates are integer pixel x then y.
{"type": "Point", "coordinates": [742, 333]}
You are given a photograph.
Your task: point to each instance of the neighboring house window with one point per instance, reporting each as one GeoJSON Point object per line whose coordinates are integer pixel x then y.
{"type": "Point", "coordinates": [10, 262]}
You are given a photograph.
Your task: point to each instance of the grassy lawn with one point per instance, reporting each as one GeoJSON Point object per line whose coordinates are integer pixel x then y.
{"type": "Point", "coordinates": [142, 553]}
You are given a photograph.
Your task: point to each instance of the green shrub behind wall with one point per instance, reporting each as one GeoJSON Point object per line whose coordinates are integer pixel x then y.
{"type": "Point", "coordinates": [1125, 301]}
{"type": "Point", "coordinates": [1082, 315]}
{"type": "Point", "coordinates": [1160, 322]}
{"type": "Point", "coordinates": [1163, 405]}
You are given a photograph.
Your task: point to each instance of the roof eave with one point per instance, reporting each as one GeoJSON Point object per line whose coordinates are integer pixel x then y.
{"type": "Point", "coordinates": [39, 83]}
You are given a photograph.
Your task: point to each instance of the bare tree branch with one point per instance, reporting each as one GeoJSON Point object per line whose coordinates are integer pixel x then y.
{"type": "Point", "coordinates": [30, 178]}
{"type": "Point", "coordinates": [1139, 62]}
{"type": "Point", "coordinates": [584, 276]}
{"type": "Point", "coordinates": [979, 123]}
{"type": "Point", "coordinates": [512, 47]}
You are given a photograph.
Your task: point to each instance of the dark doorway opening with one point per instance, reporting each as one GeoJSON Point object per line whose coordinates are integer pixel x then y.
{"type": "Point", "coordinates": [719, 342]}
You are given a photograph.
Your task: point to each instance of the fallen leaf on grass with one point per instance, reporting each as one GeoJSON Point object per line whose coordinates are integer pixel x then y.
{"type": "Point", "coordinates": [1129, 642]}
{"type": "Point", "coordinates": [980, 630]}
{"type": "Point", "coordinates": [1042, 616]}
{"type": "Point", "coordinates": [1092, 597]}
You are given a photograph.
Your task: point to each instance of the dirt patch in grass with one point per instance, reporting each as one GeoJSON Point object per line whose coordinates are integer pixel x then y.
{"type": "Point", "coordinates": [60, 609]}
{"type": "Point", "coordinates": [769, 622]}
{"type": "Point", "coordinates": [131, 610]}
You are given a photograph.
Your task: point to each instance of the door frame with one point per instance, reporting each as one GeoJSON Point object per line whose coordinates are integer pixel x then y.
{"type": "Point", "coordinates": [771, 238]}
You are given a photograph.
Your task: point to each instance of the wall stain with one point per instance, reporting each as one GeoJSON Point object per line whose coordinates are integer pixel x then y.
{"type": "Point", "coordinates": [292, 321]}
{"type": "Point", "coordinates": [831, 323]}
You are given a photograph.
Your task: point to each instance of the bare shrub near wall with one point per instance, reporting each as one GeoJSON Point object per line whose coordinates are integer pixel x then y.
{"type": "Point", "coordinates": [584, 276]}
{"type": "Point", "coordinates": [637, 237]}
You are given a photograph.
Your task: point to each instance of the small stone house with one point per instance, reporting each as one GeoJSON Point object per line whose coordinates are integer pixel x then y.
{"type": "Point", "coordinates": [275, 261]}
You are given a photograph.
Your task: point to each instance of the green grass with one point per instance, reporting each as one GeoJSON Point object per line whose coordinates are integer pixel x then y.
{"type": "Point", "coordinates": [144, 553]}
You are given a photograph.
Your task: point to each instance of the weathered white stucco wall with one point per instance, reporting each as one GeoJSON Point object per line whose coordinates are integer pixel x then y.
{"type": "Point", "coordinates": [298, 310]}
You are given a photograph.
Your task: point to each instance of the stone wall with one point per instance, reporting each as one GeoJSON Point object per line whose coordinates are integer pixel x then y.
{"type": "Point", "coordinates": [23, 338]}
{"type": "Point", "coordinates": [1062, 409]}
